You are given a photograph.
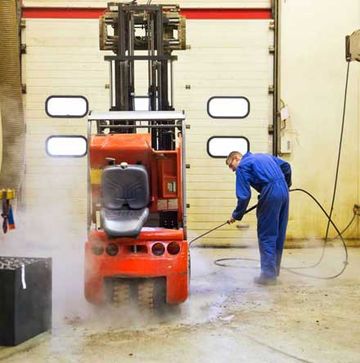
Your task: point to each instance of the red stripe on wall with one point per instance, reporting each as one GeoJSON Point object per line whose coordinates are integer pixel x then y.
{"type": "Point", "coordinates": [62, 13]}
{"type": "Point", "coordinates": [227, 13]}
{"type": "Point", "coordinates": [95, 13]}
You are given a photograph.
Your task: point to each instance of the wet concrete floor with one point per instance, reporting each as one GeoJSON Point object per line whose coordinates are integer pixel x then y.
{"type": "Point", "coordinates": [226, 319]}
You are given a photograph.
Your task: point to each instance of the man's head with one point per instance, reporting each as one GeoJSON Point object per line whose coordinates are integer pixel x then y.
{"type": "Point", "coordinates": [233, 160]}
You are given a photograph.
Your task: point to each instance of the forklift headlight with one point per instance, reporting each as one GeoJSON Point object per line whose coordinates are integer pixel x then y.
{"type": "Point", "coordinates": [112, 249]}
{"type": "Point", "coordinates": [173, 248]}
{"type": "Point", "coordinates": [158, 249]}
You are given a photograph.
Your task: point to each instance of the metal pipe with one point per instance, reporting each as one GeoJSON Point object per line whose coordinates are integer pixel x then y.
{"type": "Point", "coordinates": [147, 35]}
{"type": "Point", "coordinates": [137, 126]}
{"type": "Point", "coordinates": [89, 201]}
{"type": "Point", "coordinates": [111, 83]}
{"type": "Point", "coordinates": [276, 78]}
{"type": "Point", "coordinates": [171, 84]}
{"type": "Point", "coordinates": [131, 52]}
{"type": "Point", "coordinates": [183, 148]}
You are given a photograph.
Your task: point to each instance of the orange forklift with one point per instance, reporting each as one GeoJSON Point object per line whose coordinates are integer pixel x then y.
{"type": "Point", "coordinates": [137, 248]}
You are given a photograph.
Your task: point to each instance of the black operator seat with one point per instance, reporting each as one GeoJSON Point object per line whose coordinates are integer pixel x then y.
{"type": "Point", "coordinates": [125, 199]}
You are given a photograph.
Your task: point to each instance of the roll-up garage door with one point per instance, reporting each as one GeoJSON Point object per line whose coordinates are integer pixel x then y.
{"type": "Point", "coordinates": [222, 83]}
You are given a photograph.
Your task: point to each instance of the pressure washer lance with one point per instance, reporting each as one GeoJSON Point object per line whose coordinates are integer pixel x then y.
{"type": "Point", "coordinates": [223, 224]}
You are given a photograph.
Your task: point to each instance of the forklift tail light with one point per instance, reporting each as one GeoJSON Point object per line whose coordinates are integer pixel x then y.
{"type": "Point", "coordinates": [158, 249]}
{"type": "Point", "coordinates": [173, 248]}
{"type": "Point", "coordinates": [97, 250]}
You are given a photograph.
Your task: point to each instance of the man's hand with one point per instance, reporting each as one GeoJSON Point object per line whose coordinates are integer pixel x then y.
{"type": "Point", "coordinates": [231, 220]}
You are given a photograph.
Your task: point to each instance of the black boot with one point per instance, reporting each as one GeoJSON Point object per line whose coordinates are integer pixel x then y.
{"type": "Point", "coordinates": [262, 280]}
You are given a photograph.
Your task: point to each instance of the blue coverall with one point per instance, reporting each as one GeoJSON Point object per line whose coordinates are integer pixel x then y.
{"type": "Point", "coordinates": [271, 177]}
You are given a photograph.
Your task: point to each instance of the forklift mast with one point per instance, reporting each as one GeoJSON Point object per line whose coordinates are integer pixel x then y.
{"type": "Point", "coordinates": [142, 33]}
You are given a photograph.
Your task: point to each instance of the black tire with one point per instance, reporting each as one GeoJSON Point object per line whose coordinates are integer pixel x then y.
{"type": "Point", "coordinates": [152, 293]}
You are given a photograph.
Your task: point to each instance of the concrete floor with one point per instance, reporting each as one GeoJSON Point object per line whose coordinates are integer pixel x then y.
{"type": "Point", "coordinates": [226, 319]}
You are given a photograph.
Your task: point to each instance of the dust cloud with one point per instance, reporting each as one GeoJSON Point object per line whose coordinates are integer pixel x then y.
{"type": "Point", "coordinates": [58, 230]}
{"type": "Point", "coordinates": [47, 232]}
{"type": "Point", "coordinates": [52, 228]}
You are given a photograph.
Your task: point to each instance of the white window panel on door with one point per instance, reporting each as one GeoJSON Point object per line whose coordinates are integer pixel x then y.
{"type": "Point", "coordinates": [222, 146]}
{"type": "Point", "coordinates": [228, 107]}
{"type": "Point", "coordinates": [66, 146]}
{"type": "Point", "coordinates": [66, 106]}
{"type": "Point", "coordinates": [142, 103]}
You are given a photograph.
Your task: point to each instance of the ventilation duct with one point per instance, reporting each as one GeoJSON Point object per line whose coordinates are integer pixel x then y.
{"type": "Point", "coordinates": [11, 108]}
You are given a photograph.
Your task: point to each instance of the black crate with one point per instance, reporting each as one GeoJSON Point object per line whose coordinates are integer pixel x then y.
{"type": "Point", "coordinates": [25, 298]}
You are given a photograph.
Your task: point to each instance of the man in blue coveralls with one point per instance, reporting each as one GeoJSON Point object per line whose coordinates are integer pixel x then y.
{"type": "Point", "coordinates": [271, 177]}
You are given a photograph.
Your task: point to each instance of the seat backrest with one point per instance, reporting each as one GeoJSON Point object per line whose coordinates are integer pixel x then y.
{"type": "Point", "coordinates": [125, 187]}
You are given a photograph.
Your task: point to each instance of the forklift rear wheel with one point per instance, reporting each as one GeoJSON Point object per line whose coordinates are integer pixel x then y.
{"type": "Point", "coordinates": [120, 292]}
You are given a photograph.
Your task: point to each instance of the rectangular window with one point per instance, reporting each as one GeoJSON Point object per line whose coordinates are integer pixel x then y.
{"type": "Point", "coordinates": [66, 106]}
{"type": "Point", "coordinates": [228, 107]}
{"type": "Point", "coordinates": [66, 146]}
{"type": "Point", "coordinates": [222, 146]}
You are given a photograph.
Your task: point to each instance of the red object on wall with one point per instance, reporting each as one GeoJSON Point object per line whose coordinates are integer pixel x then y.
{"type": "Point", "coordinates": [61, 13]}
{"type": "Point", "coordinates": [95, 13]}
{"type": "Point", "coordinates": [226, 13]}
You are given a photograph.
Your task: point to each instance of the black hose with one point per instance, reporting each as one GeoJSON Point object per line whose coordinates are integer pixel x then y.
{"type": "Point", "coordinates": [347, 226]}
{"type": "Point", "coordinates": [324, 246]}
{"type": "Point", "coordinates": [346, 262]}
{"type": "Point", "coordinates": [339, 152]}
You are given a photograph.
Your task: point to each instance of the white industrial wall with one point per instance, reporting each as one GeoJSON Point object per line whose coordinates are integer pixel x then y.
{"type": "Point", "coordinates": [226, 58]}
{"type": "Point", "coordinates": [313, 82]}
